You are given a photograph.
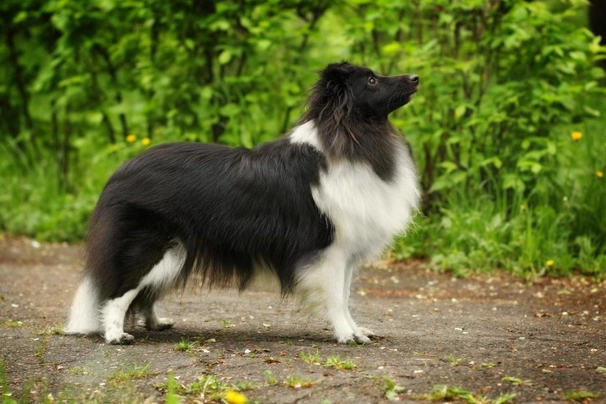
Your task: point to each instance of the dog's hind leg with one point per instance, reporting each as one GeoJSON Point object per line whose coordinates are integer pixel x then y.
{"type": "Point", "coordinates": [161, 278]}
{"type": "Point", "coordinates": [152, 286]}
{"type": "Point", "coordinates": [112, 316]}
{"type": "Point", "coordinates": [151, 321]}
{"type": "Point", "coordinates": [84, 314]}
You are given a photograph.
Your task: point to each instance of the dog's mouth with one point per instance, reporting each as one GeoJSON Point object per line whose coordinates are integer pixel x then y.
{"type": "Point", "coordinates": [409, 93]}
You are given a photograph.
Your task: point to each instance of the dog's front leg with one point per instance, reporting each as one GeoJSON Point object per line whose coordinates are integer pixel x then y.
{"type": "Point", "coordinates": [325, 285]}
{"type": "Point", "coordinates": [361, 334]}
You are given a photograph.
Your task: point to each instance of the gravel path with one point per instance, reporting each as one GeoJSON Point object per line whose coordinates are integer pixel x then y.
{"type": "Point", "coordinates": [484, 337]}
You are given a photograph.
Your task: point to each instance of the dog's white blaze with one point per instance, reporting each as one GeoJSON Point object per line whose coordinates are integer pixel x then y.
{"type": "Point", "coordinates": [306, 133]}
{"type": "Point", "coordinates": [161, 277]}
{"type": "Point", "coordinates": [84, 313]}
{"type": "Point", "coordinates": [367, 213]}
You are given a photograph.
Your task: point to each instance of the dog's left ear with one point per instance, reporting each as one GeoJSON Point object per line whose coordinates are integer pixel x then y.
{"type": "Point", "coordinates": [336, 74]}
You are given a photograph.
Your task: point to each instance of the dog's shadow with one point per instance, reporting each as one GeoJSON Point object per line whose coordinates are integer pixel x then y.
{"type": "Point", "coordinates": [226, 337]}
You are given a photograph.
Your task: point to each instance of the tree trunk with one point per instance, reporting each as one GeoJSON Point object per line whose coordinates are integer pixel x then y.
{"type": "Point", "coordinates": [597, 22]}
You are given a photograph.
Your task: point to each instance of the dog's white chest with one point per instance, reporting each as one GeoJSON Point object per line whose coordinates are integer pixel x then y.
{"type": "Point", "coordinates": [366, 211]}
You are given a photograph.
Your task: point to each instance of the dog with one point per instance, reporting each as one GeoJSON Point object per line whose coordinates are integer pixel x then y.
{"type": "Point", "coordinates": [309, 208]}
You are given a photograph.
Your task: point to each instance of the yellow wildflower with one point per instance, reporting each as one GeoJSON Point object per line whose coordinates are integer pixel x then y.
{"type": "Point", "coordinates": [145, 141]}
{"type": "Point", "coordinates": [233, 397]}
{"type": "Point", "coordinates": [549, 263]}
{"type": "Point", "coordinates": [131, 138]}
{"type": "Point", "coordinates": [576, 136]}
{"type": "Point", "coordinates": [599, 174]}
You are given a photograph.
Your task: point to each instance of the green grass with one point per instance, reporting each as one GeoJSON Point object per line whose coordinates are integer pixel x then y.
{"type": "Point", "coordinates": [296, 382]}
{"type": "Point", "coordinates": [133, 372]}
{"type": "Point", "coordinates": [185, 345]}
{"type": "Point", "coordinates": [447, 393]}
{"type": "Point", "coordinates": [208, 386]}
{"type": "Point", "coordinates": [269, 377]}
{"type": "Point", "coordinates": [454, 361]}
{"type": "Point", "coordinates": [78, 371]}
{"type": "Point", "coordinates": [335, 362]}
{"type": "Point", "coordinates": [517, 381]}
{"type": "Point", "coordinates": [581, 396]}
{"type": "Point", "coordinates": [391, 390]}
{"type": "Point", "coordinates": [332, 361]}
{"type": "Point", "coordinates": [488, 365]}
{"type": "Point", "coordinates": [4, 390]}
{"type": "Point", "coordinates": [310, 358]}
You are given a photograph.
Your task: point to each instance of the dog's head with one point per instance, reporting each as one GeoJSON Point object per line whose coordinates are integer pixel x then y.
{"type": "Point", "coordinates": [360, 90]}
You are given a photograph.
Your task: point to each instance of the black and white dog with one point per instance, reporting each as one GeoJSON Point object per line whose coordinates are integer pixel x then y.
{"type": "Point", "coordinates": [309, 208]}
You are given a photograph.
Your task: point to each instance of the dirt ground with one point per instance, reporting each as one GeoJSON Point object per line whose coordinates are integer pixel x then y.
{"type": "Point", "coordinates": [490, 335]}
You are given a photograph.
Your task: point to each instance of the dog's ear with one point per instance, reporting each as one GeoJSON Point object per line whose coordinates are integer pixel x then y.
{"type": "Point", "coordinates": [336, 74]}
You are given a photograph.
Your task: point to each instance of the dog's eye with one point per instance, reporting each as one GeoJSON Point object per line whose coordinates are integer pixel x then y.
{"type": "Point", "coordinates": [372, 81]}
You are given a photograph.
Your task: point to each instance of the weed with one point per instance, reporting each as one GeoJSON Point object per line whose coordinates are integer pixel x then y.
{"type": "Point", "coordinates": [581, 396]}
{"type": "Point", "coordinates": [310, 358]}
{"type": "Point", "coordinates": [335, 361]}
{"type": "Point", "coordinates": [504, 399]}
{"type": "Point", "coordinates": [41, 349]}
{"type": "Point", "coordinates": [171, 390]}
{"type": "Point", "coordinates": [392, 390]}
{"type": "Point", "coordinates": [444, 392]}
{"type": "Point", "coordinates": [78, 371]}
{"type": "Point", "coordinates": [456, 361]}
{"type": "Point", "coordinates": [269, 377]}
{"type": "Point", "coordinates": [207, 387]}
{"type": "Point", "coordinates": [488, 365]}
{"type": "Point", "coordinates": [243, 386]}
{"type": "Point", "coordinates": [132, 373]}
{"type": "Point", "coordinates": [227, 325]}
{"type": "Point", "coordinates": [54, 330]}
{"type": "Point", "coordinates": [13, 323]}
{"type": "Point", "coordinates": [297, 382]}
{"type": "Point", "coordinates": [185, 345]}
{"type": "Point", "coordinates": [516, 381]}
{"type": "Point", "coordinates": [6, 393]}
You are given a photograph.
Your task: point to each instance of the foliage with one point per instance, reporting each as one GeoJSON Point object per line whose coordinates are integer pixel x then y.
{"type": "Point", "coordinates": [87, 85]}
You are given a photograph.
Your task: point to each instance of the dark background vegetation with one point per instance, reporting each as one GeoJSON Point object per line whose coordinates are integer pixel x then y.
{"type": "Point", "coordinates": [508, 128]}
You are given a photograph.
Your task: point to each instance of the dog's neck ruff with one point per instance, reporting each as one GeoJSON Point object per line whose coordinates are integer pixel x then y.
{"type": "Point", "coordinates": [367, 211]}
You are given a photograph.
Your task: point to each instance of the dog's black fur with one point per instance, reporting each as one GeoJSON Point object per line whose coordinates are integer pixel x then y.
{"type": "Point", "coordinates": [230, 208]}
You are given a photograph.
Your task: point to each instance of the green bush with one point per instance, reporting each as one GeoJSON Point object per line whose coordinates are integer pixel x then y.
{"type": "Point", "coordinates": [503, 86]}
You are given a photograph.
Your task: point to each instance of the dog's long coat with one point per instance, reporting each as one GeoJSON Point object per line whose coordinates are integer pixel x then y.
{"type": "Point", "coordinates": [310, 208]}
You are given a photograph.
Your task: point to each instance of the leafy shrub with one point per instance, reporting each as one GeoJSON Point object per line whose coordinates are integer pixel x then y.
{"type": "Point", "coordinates": [503, 86]}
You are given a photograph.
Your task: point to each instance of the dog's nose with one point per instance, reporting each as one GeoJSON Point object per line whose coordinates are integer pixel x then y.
{"type": "Point", "coordinates": [414, 78]}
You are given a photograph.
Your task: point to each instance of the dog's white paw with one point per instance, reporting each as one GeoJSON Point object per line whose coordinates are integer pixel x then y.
{"type": "Point", "coordinates": [163, 323]}
{"type": "Point", "coordinates": [123, 339]}
{"type": "Point", "coordinates": [357, 338]}
{"type": "Point", "coordinates": [365, 331]}
{"type": "Point", "coordinates": [361, 338]}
